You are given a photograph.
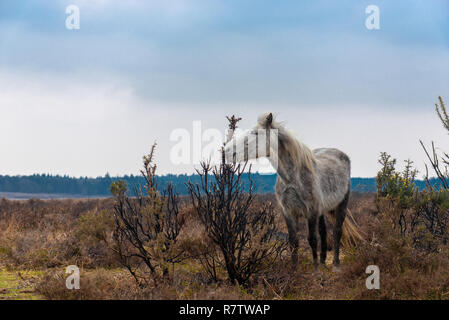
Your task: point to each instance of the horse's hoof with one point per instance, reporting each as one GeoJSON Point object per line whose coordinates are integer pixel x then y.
{"type": "Point", "coordinates": [317, 273]}
{"type": "Point", "coordinates": [323, 266]}
{"type": "Point", "coordinates": [336, 269]}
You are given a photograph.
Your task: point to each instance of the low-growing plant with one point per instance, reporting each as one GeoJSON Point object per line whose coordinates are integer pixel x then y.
{"type": "Point", "coordinates": [399, 186]}
{"type": "Point", "coordinates": [419, 216]}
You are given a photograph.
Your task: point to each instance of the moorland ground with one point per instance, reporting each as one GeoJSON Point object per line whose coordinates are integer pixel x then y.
{"type": "Point", "coordinates": [40, 238]}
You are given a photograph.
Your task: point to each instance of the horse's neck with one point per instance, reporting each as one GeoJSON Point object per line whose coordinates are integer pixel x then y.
{"type": "Point", "coordinates": [290, 162]}
{"type": "Point", "coordinates": [284, 172]}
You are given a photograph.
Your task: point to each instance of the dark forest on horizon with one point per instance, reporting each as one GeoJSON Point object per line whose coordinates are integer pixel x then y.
{"type": "Point", "coordinates": [56, 184]}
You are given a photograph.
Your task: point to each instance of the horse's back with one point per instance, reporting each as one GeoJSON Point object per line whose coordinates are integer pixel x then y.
{"type": "Point", "coordinates": [332, 154]}
{"type": "Point", "coordinates": [333, 170]}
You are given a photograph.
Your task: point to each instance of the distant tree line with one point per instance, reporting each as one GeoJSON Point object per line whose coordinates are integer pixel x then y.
{"type": "Point", "coordinates": [56, 184]}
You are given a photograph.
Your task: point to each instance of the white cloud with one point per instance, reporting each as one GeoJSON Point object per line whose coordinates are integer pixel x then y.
{"type": "Point", "coordinates": [52, 125]}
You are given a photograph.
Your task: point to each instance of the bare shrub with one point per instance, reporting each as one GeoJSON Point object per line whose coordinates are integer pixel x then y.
{"type": "Point", "coordinates": [147, 228]}
{"type": "Point", "coordinates": [244, 235]}
{"type": "Point", "coordinates": [433, 157]}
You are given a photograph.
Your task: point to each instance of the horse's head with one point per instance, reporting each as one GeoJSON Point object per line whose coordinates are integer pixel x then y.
{"type": "Point", "coordinates": [258, 142]}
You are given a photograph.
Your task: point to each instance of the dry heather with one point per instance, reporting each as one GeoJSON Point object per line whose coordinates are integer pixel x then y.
{"type": "Point", "coordinates": [38, 234]}
{"type": "Point", "coordinates": [46, 236]}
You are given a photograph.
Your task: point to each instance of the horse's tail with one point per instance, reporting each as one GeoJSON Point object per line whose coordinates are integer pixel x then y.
{"type": "Point", "coordinates": [351, 231]}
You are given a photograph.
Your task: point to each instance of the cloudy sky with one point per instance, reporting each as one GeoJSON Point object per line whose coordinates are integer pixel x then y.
{"type": "Point", "coordinates": [90, 101]}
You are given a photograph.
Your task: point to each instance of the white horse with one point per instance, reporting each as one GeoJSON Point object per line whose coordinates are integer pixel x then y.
{"type": "Point", "coordinates": [309, 183]}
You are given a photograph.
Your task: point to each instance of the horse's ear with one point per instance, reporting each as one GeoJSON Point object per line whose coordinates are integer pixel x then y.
{"type": "Point", "coordinates": [269, 120]}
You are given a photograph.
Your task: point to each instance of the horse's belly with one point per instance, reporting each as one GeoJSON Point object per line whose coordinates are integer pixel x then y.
{"type": "Point", "coordinates": [332, 200]}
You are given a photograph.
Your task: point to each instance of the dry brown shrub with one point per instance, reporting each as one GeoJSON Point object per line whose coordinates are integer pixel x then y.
{"type": "Point", "coordinates": [43, 234]}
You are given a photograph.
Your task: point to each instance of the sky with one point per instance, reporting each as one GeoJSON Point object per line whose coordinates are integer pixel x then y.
{"type": "Point", "coordinates": [90, 101]}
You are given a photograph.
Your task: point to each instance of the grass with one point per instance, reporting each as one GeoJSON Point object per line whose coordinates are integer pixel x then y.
{"type": "Point", "coordinates": [19, 285]}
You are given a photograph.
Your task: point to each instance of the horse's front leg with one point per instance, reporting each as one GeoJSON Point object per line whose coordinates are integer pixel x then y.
{"type": "Point", "coordinates": [293, 238]}
{"type": "Point", "coordinates": [323, 238]}
{"type": "Point", "coordinates": [312, 223]}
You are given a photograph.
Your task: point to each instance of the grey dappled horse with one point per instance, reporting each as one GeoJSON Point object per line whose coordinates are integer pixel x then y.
{"type": "Point", "coordinates": [309, 183]}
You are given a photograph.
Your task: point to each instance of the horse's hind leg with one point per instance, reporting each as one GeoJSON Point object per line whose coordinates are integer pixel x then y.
{"type": "Point", "coordinates": [323, 236]}
{"type": "Point", "coordinates": [340, 214]}
{"type": "Point", "coordinates": [312, 238]}
{"type": "Point", "coordinates": [330, 229]}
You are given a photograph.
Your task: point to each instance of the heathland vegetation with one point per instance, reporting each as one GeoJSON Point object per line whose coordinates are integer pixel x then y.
{"type": "Point", "coordinates": [225, 241]}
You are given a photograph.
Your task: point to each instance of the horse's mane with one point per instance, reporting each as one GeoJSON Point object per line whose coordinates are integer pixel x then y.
{"type": "Point", "coordinates": [295, 149]}
{"type": "Point", "coordinates": [299, 152]}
